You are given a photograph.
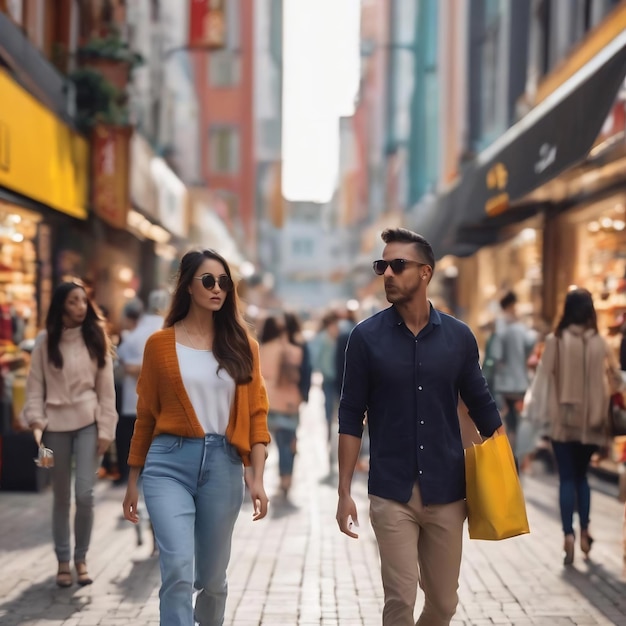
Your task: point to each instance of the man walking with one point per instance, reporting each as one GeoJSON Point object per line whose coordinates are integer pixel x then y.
{"type": "Point", "coordinates": [406, 367]}
{"type": "Point", "coordinates": [512, 345]}
{"type": "Point", "coordinates": [139, 327]}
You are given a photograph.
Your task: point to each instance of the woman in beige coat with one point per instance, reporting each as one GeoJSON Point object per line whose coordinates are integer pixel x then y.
{"type": "Point", "coordinates": [582, 373]}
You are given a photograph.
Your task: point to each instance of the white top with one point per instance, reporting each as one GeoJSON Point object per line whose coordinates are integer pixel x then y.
{"type": "Point", "coordinates": [211, 394]}
{"type": "Point", "coordinates": [130, 352]}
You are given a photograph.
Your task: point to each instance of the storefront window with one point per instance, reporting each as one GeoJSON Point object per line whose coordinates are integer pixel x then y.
{"type": "Point", "coordinates": [600, 262]}
{"type": "Point", "coordinates": [18, 275]}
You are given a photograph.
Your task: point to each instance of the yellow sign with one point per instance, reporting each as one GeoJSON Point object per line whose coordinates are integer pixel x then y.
{"type": "Point", "coordinates": [40, 157]}
{"type": "Point", "coordinates": [497, 176]}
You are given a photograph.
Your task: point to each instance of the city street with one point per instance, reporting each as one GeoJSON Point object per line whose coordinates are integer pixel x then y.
{"type": "Point", "coordinates": [296, 568]}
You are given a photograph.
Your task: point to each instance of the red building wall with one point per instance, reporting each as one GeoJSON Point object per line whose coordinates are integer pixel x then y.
{"type": "Point", "coordinates": [232, 106]}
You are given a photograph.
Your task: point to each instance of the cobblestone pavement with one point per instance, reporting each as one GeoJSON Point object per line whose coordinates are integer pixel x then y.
{"type": "Point", "coordinates": [295, 568]}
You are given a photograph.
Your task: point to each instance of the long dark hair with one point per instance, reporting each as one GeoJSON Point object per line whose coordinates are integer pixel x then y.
{"type": "Point", "coordinates": [578, 309]}
{"type": "Point", "coordinates": [93, 333]}
{"type": "Point", "coordinates": [272, 329]}
{"type": "Point", "coordinates": [231, 345]}
{"type": "Point", "coordinates": [294, 328]}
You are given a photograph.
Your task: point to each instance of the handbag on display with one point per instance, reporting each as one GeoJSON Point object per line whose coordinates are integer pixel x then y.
{"type": "Point", "coordinates": [495, 502]}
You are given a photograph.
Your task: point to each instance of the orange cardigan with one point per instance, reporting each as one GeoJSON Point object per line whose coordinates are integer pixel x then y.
{"type": "Point", "coordinates": [163, 405]}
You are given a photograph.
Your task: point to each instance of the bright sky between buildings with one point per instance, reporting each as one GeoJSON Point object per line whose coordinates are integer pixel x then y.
{"type": "Point", "coordinates": [321, 66]}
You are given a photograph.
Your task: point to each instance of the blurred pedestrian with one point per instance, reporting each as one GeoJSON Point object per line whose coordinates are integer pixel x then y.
{"type": "Point", "coordinates": [281, 366]}
{"type": "Point", "coordinates": [407, 366]}
{"type": "Point", "coordinates": [578, 370]}
{"type": "Point", "coordinates": [295, 336]}
{"type": "Point", "coordinates": [139, 327]}
{"type": "Point", "coordinates": [510, 348]}
{"type": "Point", "coordinates": [201, 417]}
{"type": "Point", "coordinates": [70, 404]}
{"type": "Point", "coordinates": [325, 362]}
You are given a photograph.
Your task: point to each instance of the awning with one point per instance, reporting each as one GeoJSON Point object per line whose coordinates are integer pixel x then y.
{"type": "Point", "coordinates": [557, 134]}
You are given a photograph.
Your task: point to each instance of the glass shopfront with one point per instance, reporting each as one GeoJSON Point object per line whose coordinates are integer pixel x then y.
{"type": "Point", "coordinates": [18, 274]}
{"type": "Point", "coordinates": [595, 237]}
{"type": "Point", "coordinates": [515, 265]}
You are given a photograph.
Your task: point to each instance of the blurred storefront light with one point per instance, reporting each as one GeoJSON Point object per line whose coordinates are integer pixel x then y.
{"type": "Point", "coordinates": [246, 269]}
{"type": "Point", "coordinates": [146, 228]}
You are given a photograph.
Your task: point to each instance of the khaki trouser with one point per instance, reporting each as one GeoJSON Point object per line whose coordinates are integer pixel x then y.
{"type": "Point", "coordinates": [419, 544]}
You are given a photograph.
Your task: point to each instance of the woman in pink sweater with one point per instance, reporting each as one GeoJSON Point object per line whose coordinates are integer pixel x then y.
{"type": "Point", "coordinates": [70, 404]}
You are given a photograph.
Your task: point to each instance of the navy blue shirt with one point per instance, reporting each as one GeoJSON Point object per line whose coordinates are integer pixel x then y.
{"type": "Point", "coordinates": [409, 386]}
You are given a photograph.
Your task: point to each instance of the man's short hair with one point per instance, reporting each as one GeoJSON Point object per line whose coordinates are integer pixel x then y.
{"type": "Point", "coordinates": [133, 309]}
{"type": "Point", "coordinates": [508, 300]}
{"type": "Point", "coordinates": [158, 301]}
{"type": "Point", "coordinates": [404, 235]}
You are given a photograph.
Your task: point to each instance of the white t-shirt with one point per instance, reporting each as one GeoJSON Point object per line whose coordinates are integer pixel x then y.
{"type": "Point", "coordinates": [211, 394]}
{"type": "Point", "coordinates": [130, 352]}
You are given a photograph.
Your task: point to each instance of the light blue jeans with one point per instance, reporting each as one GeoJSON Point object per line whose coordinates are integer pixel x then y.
{"type": "Point", "coordinates": [193, 490]}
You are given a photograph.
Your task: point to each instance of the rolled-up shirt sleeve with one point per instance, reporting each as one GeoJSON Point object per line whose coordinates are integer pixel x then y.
{"type": "Point", "coordinates": [34, 411]}
{"type": "Point", "coordinates": [475, 392]}
{"type": "Point", "coordinates": [105, 390]}
{"type": "Point", "coordinates": [354, 393]}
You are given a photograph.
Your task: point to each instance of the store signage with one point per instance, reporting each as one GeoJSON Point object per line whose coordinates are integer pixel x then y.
{"type": "Point", "coordinates": [110, 149]}
{"type": "Point", "coordinates": [547, 156]}
{"type": "Point", "coordinates": [40, 157]}
{"type": "Point", "coordinates": [5, 147]}
{"type": "Point", "coordinates": [497, 180]}
{"type": "Point", "coordinates": [173, 198]}
{"type": "Point", "coordinates": [143, 192]}
{"type": "Point", "coordinates": [207, 24]}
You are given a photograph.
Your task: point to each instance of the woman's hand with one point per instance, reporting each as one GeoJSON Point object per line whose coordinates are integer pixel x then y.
{"type": "Point", "coordinates": [259, 498]}
{"type": "Point", "coordinates": [131, 498]}
{"type": "Point", "coordinates": [103, 446]}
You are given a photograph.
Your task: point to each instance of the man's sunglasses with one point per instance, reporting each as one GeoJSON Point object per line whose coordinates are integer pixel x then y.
{"type": "Point", "coordinates": [224, 281]}
{"type": "Point", "coordinates": [397, 265]}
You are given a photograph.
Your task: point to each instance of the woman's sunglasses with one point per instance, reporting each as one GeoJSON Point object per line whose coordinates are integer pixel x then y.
{"type": "Point", "coordinates": [224, 281]}
{"type": "Point", "coordinates": [397, 265]}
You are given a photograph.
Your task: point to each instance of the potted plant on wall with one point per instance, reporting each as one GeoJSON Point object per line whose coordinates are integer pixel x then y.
{"type": "Point", "coordinates": [98, 101]}
{"type": "Point", "coordinates": [111, 56]}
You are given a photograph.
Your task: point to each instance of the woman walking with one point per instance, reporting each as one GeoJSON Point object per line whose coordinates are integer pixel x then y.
{"type": "Point", "coordinates": [281, 363]}
{"type": "Point", "coordinates": [201, 417]}
{"type": "Point", "coordinates": [581, 373]}
{"type": "Point", "coordinates": [70, 406]}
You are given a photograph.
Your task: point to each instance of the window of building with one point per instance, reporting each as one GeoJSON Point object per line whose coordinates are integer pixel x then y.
{"type": "Point", "coordinates": [224, 149]}
{"type": "Point", "coordinates": [489, 44]}
{"type": "Point", "coordinates": [224, 68]}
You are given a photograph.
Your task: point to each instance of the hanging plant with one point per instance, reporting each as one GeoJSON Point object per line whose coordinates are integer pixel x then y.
{"type": "Point", "coordinates": [112, 48]}
{"type": "Point", "coordinates": [97, 100]}
{"type": "Point", "coordinates": [112, 57]}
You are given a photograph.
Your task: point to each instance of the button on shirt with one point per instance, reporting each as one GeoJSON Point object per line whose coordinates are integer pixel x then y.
{"type": "Point", "coordinates": [409, 387]}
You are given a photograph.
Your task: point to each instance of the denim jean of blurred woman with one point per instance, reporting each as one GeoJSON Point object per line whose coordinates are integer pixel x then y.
{"type": "Point", "coordinates": [576, 376]}
{"type": "Point", "coordinates": [201, 428]}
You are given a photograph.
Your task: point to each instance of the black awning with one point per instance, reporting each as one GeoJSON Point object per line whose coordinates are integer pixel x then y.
{"type": "Point", "coordinates": [554, 136]}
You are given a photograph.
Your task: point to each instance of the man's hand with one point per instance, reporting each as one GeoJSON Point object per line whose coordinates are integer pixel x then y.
{"type": "Point", "coordinates": [347, 517]}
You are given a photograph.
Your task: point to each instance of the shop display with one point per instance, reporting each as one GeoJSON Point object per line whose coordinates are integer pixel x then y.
{"type": "Point", "coordinates": [601, 262]}
{"type": "Point", "coordinates": [18, 275]}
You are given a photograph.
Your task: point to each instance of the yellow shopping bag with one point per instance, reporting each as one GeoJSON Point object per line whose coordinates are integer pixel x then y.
{"type": "Point", "coordinates": [495, 501]}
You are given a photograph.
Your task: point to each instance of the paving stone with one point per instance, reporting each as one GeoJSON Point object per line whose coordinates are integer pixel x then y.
{"type": "Point", "coordinates": [296, 569]}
